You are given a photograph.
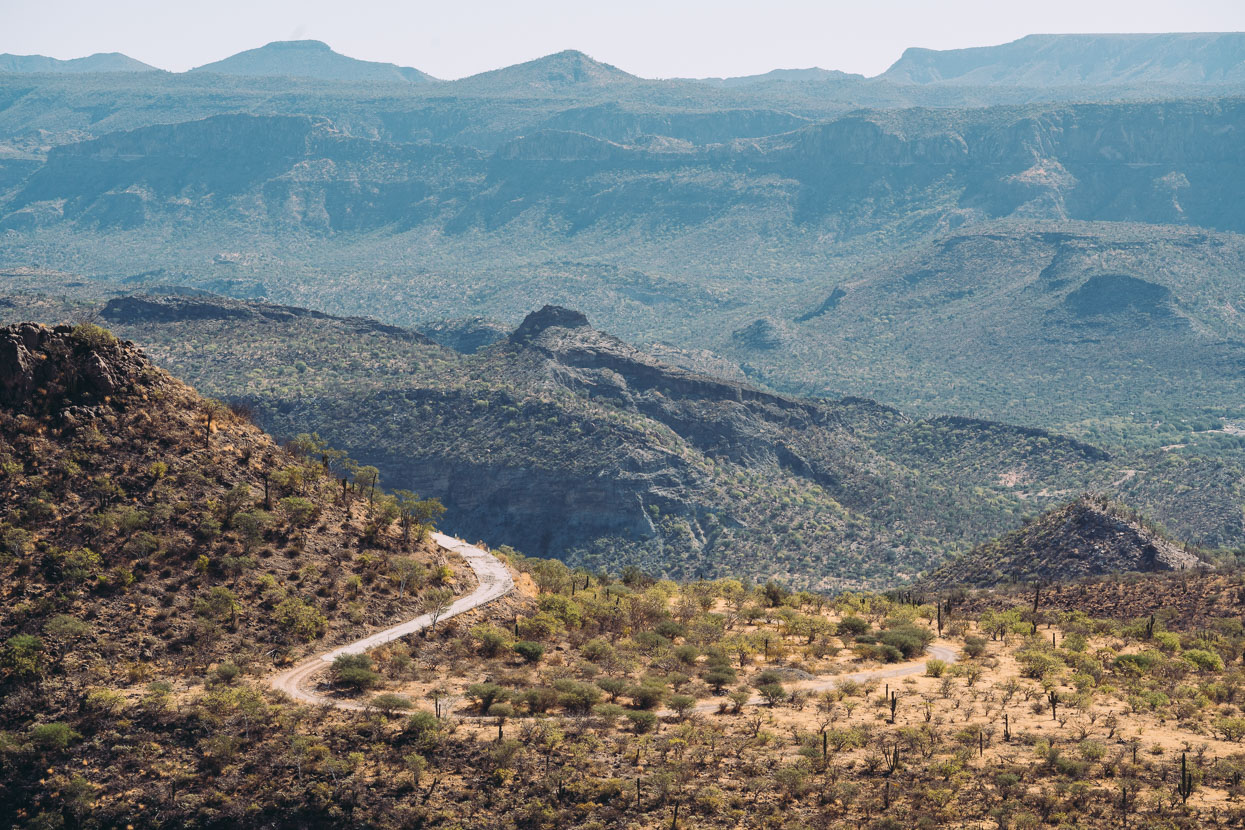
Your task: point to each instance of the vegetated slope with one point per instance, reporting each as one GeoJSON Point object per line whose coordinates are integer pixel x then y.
{"type": "Point", "coordinates": [1086, 538]}
{"type": "Point", "coordinates": [565, 441]}
{"type": "Point", "coordinates": [310, 59]}
{"type": "Point", "coordinates": [149, 534]}
{"type": "Point", "coordinates": [1091, 59]}
{"type": "Point", "coordinates": [1120, 334]}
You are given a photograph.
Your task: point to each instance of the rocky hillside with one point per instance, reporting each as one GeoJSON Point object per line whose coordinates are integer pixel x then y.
{"type": "Point", "coordinates": [149, 533]}
{"type": "Point", "coordinates": [562, 440]}
{"type": "Point", "coordinates": [1086, 538]}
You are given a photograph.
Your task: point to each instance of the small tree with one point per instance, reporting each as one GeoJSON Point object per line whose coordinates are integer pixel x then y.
{"type": "Point", "coordinates": [436, 601]}
{"type": "Point", "coordinates": [213, 410]}
{"type": "Point", "coordinates": [719, 677]}
{"type": "Point", "coordinates": [772, 692]}
{"type": "Point", "coordinates": [298, 511]}
{"type": "Point", "coordinates": [408, 571]}
{"type": "Point", "coordinates": [682, 705]}
{"type": "Point", "coordinates": [388, 704]}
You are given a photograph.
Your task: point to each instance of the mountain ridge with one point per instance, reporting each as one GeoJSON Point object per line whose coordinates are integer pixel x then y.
{"type": "Point", "coordinates": [98, 62]}
{"type": "Point", "coordinates": [310, 59]}
{"type": "Point", "coordinates": [1073, 59]}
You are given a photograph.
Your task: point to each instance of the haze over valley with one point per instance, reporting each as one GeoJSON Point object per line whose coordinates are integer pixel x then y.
{"type": "Point", "coordinates": [554, 446]}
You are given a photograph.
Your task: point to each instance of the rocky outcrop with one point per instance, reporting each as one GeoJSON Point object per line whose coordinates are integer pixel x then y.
{"type": "Point", "coordinates": [551, 316]}
{"type": "Point", "coordinates": [45, 370]}
{"type": "Point", "coordinates": [1090, 537]}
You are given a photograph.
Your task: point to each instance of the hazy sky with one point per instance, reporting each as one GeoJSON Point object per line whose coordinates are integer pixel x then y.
{"type": "Point", "coordinates": [651, 38]}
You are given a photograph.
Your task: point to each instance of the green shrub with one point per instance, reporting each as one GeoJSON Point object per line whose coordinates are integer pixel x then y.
{"type": "Point", "coordinates": [93, 336]}
{"type": "Point", "coordinates": [530, 651]}
{"type": "Point", "coordinates": [22, 657]}
{"type": "Point", "coordinates": [493, 640]}
{"type": "Point", "coordinates": [354, 671]}
{"type": "Point", "coordinates": [52, 736]}
{"type": "Point", "coordinates": [300, 619]}
{"type": "Point", "coordinates": [486, 694]}
{"type": "Point", "coordinates": [1204, 660]}
{"type": "Point", "coordinates": [909, 639]}
{"type": "Point", "coordinates": [853, 626]}
{"type": "Point", "coordinates": [643, 721]}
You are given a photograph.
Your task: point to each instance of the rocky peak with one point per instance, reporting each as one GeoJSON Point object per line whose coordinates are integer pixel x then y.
{"type": "Point", "coordinates": [551, 316]}
{"type": "Point", "coordinates": [44, 370]}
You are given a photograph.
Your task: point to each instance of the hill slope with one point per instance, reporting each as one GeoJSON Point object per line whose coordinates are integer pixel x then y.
{"type": "Point", "coordinates": [1089, 537]}
{"type": "Point", "coordinates": [565, 441]}
{"type": "Point", "coordinates": [1096, 59]}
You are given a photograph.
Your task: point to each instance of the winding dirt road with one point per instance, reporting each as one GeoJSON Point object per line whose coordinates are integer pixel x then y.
{"type": "Point", "coordinates": [495, 582]}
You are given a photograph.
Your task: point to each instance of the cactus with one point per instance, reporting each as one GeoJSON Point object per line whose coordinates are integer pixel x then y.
{"type": "Point", "coordinates": [1150, 628]}
{"type": "Point", "coordinates": [1053, 697]}
{"type": "Point", "coordinates": [894, 705]}
{"type": "Point", "coordinates": [1185, 787]}
{"type": "Point", "coordinates": [1007, 732]}
{"type": "Point", "coordinates": [892, 758]}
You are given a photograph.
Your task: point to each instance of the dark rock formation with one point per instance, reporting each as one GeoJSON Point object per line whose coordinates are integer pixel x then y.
{"type": "Point", "coordinates": [550, 316]}
{"type": "Point", "coordinates": [1089, 537]}
{"type": "Point", "coordinates": [760, 334]}
{"type": "Point", "coordinates": [140, 309]}
{"type": "Point", "coordinates": [45, 370]}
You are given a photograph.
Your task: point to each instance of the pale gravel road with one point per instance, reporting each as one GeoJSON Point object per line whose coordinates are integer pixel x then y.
{"type": "Point", "coordinates": [495, 582]}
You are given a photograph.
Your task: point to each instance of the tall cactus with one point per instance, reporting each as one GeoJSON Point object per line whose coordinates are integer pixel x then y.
{"type": "Point", "coordinates": [1185, 788]}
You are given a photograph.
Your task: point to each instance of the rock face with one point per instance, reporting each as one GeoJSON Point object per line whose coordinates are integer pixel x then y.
{"type": "Point", "coordinates": [46, 370]}
{"type": "Point", "coordinates": [1089, 537]}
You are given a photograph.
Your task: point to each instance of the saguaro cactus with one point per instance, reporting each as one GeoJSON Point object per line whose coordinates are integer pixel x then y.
{"type": "Point", "coordinates": [1185, 787]}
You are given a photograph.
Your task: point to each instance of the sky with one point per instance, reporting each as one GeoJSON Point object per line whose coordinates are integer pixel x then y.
{"type": "Point", "coordinates": [650, 38]}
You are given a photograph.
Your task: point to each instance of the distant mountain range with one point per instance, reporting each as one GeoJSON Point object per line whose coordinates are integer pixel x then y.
{"type": "Point", "coordinates": [1070, 60]}
{"type": "Point", "coordinates": [1033, 61]}
{"type": "Point", "coordinates": [101, 62]}
{"type": "Point", "coordinates": [310, 59]}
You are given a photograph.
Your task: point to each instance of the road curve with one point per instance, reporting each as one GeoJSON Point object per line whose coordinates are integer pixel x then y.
{"type": "Point", "coordinates": [827, 682]}
{"type": "Point", "coordinates": [495, 582]}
